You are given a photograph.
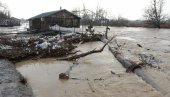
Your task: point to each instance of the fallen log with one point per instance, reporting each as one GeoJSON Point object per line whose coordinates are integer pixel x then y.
{"type": "Point", "coordinates": [66, 75]}
{"type": "Point", "coordinates": [82, 38]}
{"type": "Point", "coordinates": [133, 67]}
{"type": "Point", "coordinates": [87, 53]}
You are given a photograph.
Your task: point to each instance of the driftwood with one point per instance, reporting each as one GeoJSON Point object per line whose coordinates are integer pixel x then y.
{"type": "Point", "coordinates": [91, 86]}
{"type": "Point", "coordinates": [133, 67]}
{"type": "Point", "coordinates": [87, 53]}
{"type": "Point", "coordinates": [66, 75]}
{"type": "Point", "coordinates": [82, 38]}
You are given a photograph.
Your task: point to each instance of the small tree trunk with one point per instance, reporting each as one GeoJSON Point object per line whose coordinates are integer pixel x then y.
{"type": "Point", "coordinates": [107, 28]}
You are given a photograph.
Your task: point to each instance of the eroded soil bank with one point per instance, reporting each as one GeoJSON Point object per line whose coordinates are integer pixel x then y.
{"type": "Point", "coordinates": [12, 83]}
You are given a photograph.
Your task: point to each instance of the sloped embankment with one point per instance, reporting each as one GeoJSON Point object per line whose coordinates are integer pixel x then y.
{"type": "Point", "coordinates": [12, 83]}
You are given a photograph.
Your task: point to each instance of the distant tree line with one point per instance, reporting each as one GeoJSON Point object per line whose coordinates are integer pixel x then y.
{"type": "Point", "coordinates": [118, 22]}
{"type": "Point", "coordinates": [5, 19]}
{"type": "Point", "coordinates": [89, 17]}
{"type": "Point", "coordinates": [4, 11]}
{"type": "Point", "coordinates": [123, 22]}
{"type": "Point", "coordinates": [154, 17]}
{"type": "Point", "coordinates": [154, 13]}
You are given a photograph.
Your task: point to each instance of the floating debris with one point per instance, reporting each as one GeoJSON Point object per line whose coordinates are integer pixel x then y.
{"type": "Point", "coordinates": [149, 60]}
{"type": "Point", "coordinates": [139, 45]}
{"type": "Point", "coordinates": [63, 76]}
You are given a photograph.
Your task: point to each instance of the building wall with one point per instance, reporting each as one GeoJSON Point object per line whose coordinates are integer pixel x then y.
{"type": "Point", "coordinates": [38, 24]}
{"type": "Point", "coordinates": [62, 18]}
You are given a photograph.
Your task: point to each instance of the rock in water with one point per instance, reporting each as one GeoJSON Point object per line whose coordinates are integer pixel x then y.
{"type": "Point", "coordinates": [63, 76]}
{"type": "Point", "coordinates": [139, 45]}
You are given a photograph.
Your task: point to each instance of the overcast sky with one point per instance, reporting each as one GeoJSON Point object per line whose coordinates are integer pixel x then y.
{"type": "Point", "coordinates": [131, 9]}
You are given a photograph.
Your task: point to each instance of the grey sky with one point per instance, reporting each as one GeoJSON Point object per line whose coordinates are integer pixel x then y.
{"type": "Point", "coordinates": [131, 9]}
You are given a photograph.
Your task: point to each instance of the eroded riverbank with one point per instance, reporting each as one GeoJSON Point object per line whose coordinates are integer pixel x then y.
{"type": "Point", "coordinates": [12, 83]}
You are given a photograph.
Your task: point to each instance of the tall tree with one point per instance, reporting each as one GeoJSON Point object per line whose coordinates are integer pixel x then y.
{"type": "Point", "coordinates": [100, 13]}
{"type": "Point", "coordinates": [154, 13]}
{"type": "Point", "coordinates": [91, 17]}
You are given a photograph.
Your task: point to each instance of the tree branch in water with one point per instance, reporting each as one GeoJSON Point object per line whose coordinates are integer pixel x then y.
{"type": "Point", "coordinates": [87, 53]}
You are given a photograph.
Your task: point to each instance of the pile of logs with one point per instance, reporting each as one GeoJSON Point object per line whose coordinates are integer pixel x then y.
{"type": "Point", "coordinates": [41, 47]}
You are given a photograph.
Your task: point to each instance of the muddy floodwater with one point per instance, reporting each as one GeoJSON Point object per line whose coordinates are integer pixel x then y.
{"type": "Point", "coordinates": [15, 29]}
{"type": "Point", "coordinates": [91, 76]}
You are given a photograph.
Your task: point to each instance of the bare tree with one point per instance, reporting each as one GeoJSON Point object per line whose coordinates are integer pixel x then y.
{"type": "Point", "coordinates": [119, 21]}
{"type": "Point", "coordinates": [4, 11]}
{"type": "Point", "coordinates": [154, 13]}
{"type": "Point", "coordinates": [76, 11]}
{"type": "Point", "coordinates": [90, 17]}
{"type": "Point", "coordinates": [100, 13]}
{"type": "Point", "coordinates": [100, 16]}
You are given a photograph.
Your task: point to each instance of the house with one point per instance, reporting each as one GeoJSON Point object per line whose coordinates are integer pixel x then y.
{"type": "Point", "coordinates": [9, 22]}
{"type": "Point", "coordinates": [61, 17]}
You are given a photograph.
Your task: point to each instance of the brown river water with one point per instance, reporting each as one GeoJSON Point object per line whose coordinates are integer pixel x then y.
{"type": "Point", "coordinates": [92, 76]}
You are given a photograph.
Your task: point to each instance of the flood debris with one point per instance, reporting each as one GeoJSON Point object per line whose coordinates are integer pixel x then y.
{"type": "Point", "coordinates": [87, 53]}
{"type": "Point", "coordinates": [99, 79]}
{"type": "Point", "coordinates": [132, 68]}
{"type": "Point", "coordinates": [19, 48]}
{"type": "Point", "coordinates": [148, 49]}
{"type": "Point", "coordinates": [63, 76]}
{"type": "Point", "coordinates": [66, 75]}
{"type": "Point", "coordinates": [149, 60]}
{"type": "Point", "coordinates": [139, 45]}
